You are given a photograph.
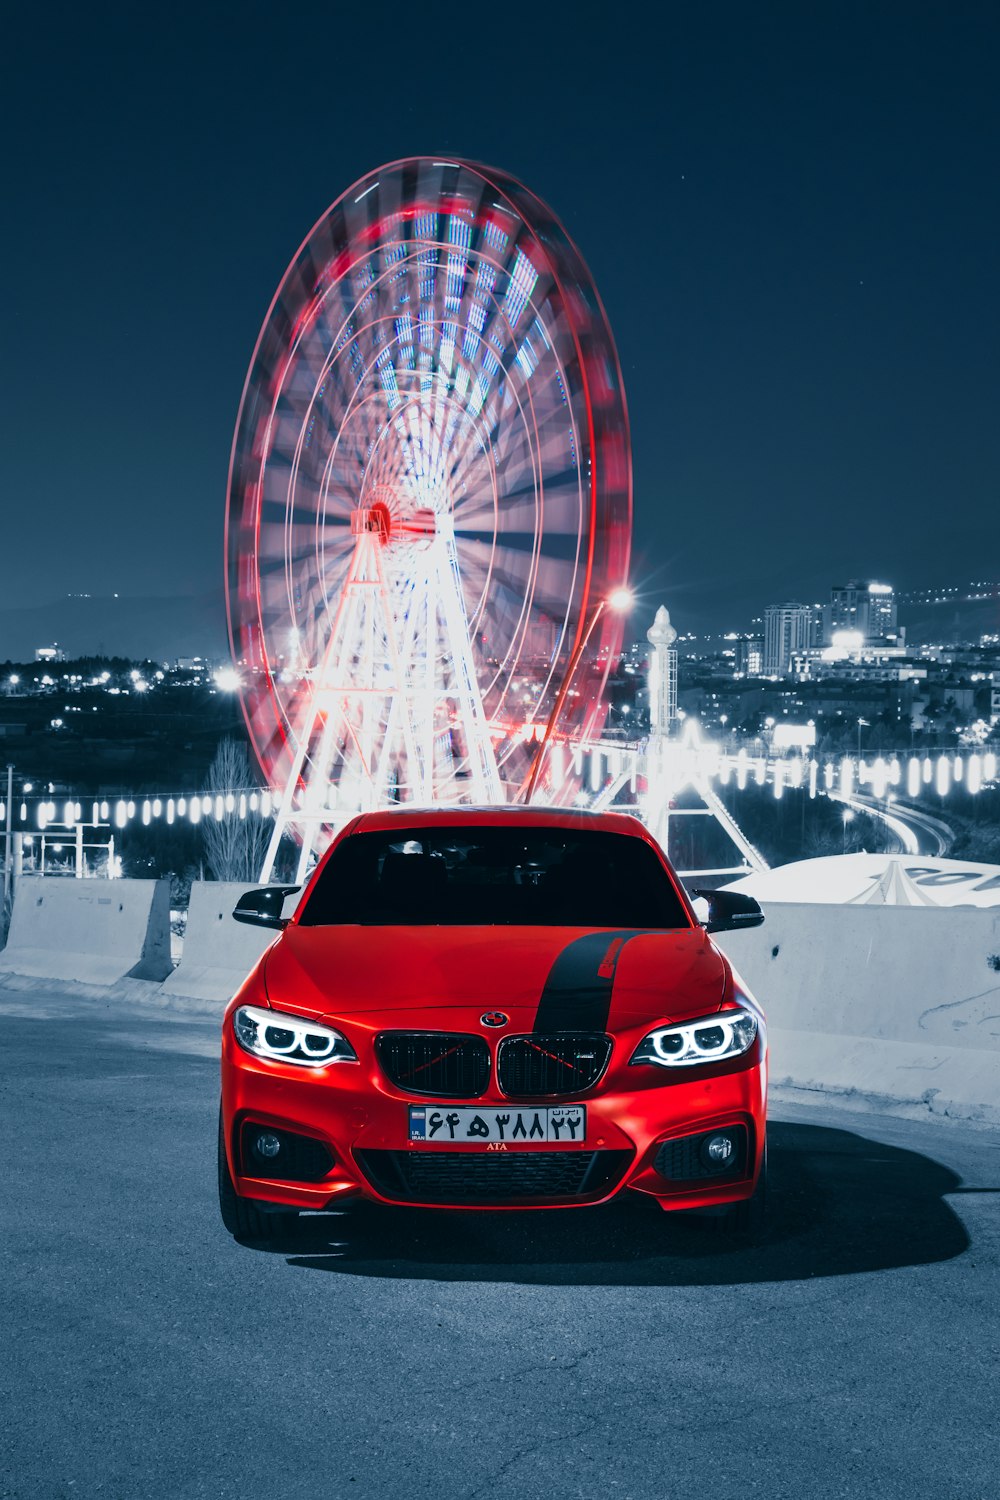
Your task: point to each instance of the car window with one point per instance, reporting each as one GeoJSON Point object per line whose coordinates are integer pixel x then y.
{"type": "Point", "coordinates": [548, 877]}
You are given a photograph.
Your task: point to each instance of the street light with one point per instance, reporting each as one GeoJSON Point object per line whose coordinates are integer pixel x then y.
{"type": "Point", "coordinates": [847, 817]}
{"type": "Point", "coordinates": [8, 840]}
{"type": "Point", "coordinates": [620, 600]}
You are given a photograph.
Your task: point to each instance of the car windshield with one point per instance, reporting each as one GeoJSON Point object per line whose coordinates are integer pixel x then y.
{"type": "Point", "coordinates": [494, 875]}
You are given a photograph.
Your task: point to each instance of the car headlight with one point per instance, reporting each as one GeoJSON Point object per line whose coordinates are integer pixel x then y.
{"type": "Point", "coordinates": [724, 1035]}
{"type": "Point", "coordinates": [291, 1039]}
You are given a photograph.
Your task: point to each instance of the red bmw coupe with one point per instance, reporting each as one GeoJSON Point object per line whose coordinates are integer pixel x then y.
{"type": "Point", "coordinates": [502, 1008]}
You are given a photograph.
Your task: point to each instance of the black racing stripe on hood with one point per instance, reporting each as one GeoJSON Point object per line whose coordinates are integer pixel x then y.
{"type": "Point", "coordinates": [577, 993]}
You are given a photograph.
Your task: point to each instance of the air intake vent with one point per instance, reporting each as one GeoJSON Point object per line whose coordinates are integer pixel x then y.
{"type": "Point", "coordinates": [684, 1159]}
{"type": "Point", "coordinates": [475, 1177]}
{"type": "Point", "coordinates": [298, 1158]}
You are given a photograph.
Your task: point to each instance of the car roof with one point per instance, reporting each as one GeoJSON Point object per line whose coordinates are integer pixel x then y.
{"type": "Point", "coordinates": [516, 814]}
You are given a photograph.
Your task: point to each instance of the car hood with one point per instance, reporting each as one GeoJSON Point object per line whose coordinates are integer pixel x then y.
{"type": "Point", "coordinates": [573, 976]}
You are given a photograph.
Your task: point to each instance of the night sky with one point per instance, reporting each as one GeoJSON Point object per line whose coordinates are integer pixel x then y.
{"type": "Point", "coordinates": [791, 213]}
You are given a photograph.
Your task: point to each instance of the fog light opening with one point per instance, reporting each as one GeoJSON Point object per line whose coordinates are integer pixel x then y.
{"type": "Point", "coordinates": [267, 1145]}
{"type": "Point", "coordinates": [718, 1151]}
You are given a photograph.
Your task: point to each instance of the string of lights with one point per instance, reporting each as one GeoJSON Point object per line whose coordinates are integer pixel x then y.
{"type": "Point", "coordinates": [909, 776]}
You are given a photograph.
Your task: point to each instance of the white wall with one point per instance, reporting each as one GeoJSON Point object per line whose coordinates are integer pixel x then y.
{"type": "Point", "coordinates": [897, 1001]}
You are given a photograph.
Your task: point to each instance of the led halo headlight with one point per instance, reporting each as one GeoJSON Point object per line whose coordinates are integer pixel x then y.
{"type": "Point", "coordinates": [726, 1034]}
{"type": "Point", "coordinates": [290, 1039]}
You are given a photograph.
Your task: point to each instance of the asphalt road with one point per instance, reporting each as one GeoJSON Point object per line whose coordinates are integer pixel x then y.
{"type": "Point", "coordinates": [613, 1352]}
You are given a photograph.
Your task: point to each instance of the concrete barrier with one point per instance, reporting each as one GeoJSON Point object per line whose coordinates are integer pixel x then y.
{"type": "Point", "coordinates": [218, 952]}
{"type": "Point", "coordinates": [898, 1002]}
{"type": "Point", "coordinates": [93, 932]}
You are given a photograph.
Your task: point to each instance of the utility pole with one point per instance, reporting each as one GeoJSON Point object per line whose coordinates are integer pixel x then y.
{"type": "Point", "coordinates": [8, 849]}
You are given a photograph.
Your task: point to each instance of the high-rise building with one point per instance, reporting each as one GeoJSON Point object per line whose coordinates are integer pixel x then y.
{"type": "Point", "coordinates": [881, 612]}
{"type": "Point", "coordinates": [869, 608]}
{"type": "Point", "coordinates": [787, 631]}
{"type": "Point", "coordinates": [817, 623]}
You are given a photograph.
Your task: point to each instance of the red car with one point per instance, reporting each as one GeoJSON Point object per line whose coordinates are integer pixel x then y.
{"type": "Point", "coordinates": [502, 1008]}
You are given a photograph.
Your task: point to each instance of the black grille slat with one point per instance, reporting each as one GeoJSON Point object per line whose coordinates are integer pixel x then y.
{"type": "Point", "coordinates": [445, 1065]}
{"type": "Point", "coordinates": [439, 1176]}
{"type": "Point", "coordinates": [531, 1067]}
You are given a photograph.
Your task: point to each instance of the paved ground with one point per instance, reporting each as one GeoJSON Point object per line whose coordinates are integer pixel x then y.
{"type": "Point", "coordinates": [610, 1353]}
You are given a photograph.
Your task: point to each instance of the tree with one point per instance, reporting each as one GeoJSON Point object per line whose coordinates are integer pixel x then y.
{"type": "Point", "coordinates": [234, 846]}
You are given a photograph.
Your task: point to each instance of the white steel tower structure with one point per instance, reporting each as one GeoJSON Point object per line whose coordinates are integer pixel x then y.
{"type": "Point", "coordinates": [395, 702]}
{"type": "Point", "coordinates": [674, 760]}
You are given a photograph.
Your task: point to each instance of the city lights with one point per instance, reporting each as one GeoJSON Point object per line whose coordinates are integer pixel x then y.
{"type": "Point", "coordinates": [875, 728]}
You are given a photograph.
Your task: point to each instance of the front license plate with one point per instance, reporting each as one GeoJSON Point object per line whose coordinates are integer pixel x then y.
{"type": "Point", "coordinates": [564, 1124]}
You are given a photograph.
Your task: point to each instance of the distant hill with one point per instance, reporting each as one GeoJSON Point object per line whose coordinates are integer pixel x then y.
{"type": "Point", "coordinates": [947, 624]}
{"type": "Point", "coordinates": [195, 625]}
{"type": "Point", "coordinates": [159, 628]}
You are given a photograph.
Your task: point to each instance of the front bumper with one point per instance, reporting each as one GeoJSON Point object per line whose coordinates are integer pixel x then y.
{"type": "Point", "coordinates": [362, 1120]}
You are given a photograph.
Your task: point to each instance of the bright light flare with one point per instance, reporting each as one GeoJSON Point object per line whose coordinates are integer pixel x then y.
{"type": "Point", "coordinates": [942, 778]}
{"type": "Point", "coordinates": [913, 777]}
{"type": "Point", "coordinates": [621, 600]}
{"type": "Point", "coordinates": [880, 778]}
{"type": "Point", "coordinates": [228, 680]}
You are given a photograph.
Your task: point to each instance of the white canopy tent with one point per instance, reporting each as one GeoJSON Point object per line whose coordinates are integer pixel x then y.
{"type": "Point", "coordinates": [877, 879]}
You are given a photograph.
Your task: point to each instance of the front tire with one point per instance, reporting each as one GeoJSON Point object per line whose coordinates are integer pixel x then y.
{"type": "Point", "coordinates": [745, 1220]}
{"type": "Point", "coordinates": [241, 1216]}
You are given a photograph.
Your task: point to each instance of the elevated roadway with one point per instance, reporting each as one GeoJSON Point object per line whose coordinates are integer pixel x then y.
{"type": "Point", "coordinates": [914, 830]}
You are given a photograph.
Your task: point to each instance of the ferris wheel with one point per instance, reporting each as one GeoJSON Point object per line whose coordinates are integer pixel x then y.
{"type": "Point", "coordinates": [429, 497]}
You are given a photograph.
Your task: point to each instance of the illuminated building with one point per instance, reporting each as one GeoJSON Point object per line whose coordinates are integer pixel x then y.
{"type": "Point", "coordinates": [750, 655]}
{"type": "Point", "coordinates": [787, 631]}
{"type": "Point", "coordinates": [869, 608]}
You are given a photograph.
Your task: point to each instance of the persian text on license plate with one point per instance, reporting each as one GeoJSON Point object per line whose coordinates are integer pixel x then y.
{"type": "Point", "coordinates": [511, 1125]}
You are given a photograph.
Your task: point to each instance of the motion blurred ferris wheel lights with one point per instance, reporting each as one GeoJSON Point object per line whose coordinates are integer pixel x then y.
{"type": "Point", "coordinates": [430, 491]}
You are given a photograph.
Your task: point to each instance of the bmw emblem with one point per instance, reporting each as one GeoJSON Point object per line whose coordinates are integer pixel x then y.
{"type": "Point", "coordinates": [494, 1018]}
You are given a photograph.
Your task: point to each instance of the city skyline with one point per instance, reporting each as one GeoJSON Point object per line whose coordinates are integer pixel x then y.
{"type": "Point", "coordinates": [83, 624]}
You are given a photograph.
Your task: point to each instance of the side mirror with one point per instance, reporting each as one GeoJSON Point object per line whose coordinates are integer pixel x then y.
{"type": "Point", "coordinates": [728, 911]}
{"type": "Point", "coordinates": [262, 908]}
